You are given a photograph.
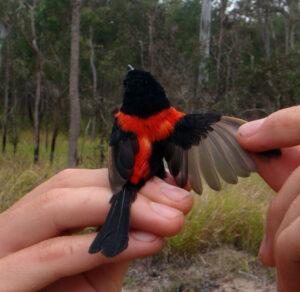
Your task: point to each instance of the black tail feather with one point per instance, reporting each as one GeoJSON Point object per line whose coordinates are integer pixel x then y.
{"type": "Point", "coordinates": [113, 235]}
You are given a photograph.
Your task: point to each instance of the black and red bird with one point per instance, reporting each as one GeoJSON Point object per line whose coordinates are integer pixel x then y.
{"type": "Point", "coordinates": [148, 131]}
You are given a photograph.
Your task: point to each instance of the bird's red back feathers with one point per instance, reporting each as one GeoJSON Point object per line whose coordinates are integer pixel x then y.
{"type": "Point", "coordinates": [148, 130]}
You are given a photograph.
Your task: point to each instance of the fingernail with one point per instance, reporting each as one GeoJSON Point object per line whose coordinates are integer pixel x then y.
{"type": "Point", "coordinates": [251, 128]}
{"type": "Point", "coordinates": [144, 236]}
{"type": "Point", "coordinates": [164, 210]}
{"type": "Point", "coordinates": [174, 193]}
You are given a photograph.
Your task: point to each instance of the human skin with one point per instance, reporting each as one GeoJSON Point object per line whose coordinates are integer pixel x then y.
{"type": "Point", "coordinates": [37, 251]}
{"type": "Point", "coordinates": [281, 244]}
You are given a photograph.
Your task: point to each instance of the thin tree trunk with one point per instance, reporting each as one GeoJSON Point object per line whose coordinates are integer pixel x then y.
{"type": "Point", "coordinates": [74, 128]}
{"type": "Point", "coordinates": [293, 36]}
{"type": "Point", "coordinates": [37, 112]}
{"type": "Point", "coordinates": [293, 18]}
{"type": "Point", "coordinates": [46, 135]}
{"type": "Point", "coordinates": [6, 97]}
{"type": "Point", "coordinates": [56, 114]}
{"type": "Point", "coordinates": [141, 43]}
{"type": "Point", "coordinates": [287, 36]}
{"type": "Point", "coordinates": [15, 138]}
{"type": "Point", "coordinates": [38, 76]}
{"type": "Point", "coordinates": [53, 141]}
{"type": "Point", "coordinates": [95, 83]}
{"type": "Point", "coordinates": [3, 35]}
{"type": "Point", "coordinates": [204, 45]}
{"type": "Point", "coordinates": [93, 65]}
{"type": "Point", "coordinates": [151, 19]}
{"type": "Point", "coordinates": [264, 25]}
{"type": "Point", "coordinates": [220, 42]}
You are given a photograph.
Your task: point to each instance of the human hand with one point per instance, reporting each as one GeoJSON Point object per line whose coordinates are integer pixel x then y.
{"type": "Point", "coordinates": [279, 130]}
{"type": "Point", "coordinates": [280, 246]}
{"type": "Point", "coordinates": [36, 251]}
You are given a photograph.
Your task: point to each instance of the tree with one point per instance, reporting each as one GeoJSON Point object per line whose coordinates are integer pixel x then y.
{"type": "Point", "coordinates": [39, 72]}
{"type": "Point", "coordinates": [4, 37]}
{"type": "Point", "coordinates": [204, 45]}
{"type": "Point", "coordinates": [74, 127]}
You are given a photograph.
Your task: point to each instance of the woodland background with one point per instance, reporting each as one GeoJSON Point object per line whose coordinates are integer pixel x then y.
{"type": "Point", "coordinates": [62, 63]}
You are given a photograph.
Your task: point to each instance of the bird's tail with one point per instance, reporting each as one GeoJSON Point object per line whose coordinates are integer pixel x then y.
{"type": "Point", "coordinates": [113, 235]}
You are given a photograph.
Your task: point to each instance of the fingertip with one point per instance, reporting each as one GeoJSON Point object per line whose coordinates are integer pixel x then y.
{"type": "Point", "coordinates": [188, 204]}
{"type": "Point", "coordinates": [265, 254]}
{"type": "Point", "coordinates": [171, 220]}
{"type": "Point", "coordinates": [145, 243]}
{"type": "Point", "coordinates": [250, 129]}
{"type": "Point", "coordinates": [159, 191]}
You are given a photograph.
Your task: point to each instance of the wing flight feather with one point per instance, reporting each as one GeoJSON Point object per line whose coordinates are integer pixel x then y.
{"type": "Point", "coordinates": [213, 152]}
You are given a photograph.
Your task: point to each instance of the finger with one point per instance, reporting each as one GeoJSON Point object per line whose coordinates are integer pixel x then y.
{"type": "Point", "coordinates": [70, 178]}
{"type": "Point", "coordinates": [276, 171]}
{"type": "Point", "coordinates": [291, 215]}
{"type": "Point", "coordinates": [277, 210]}
{"type": "Point", "coordinates": [287, 258]}
{"type": "Point", "coordinates": [280, 129]}
{"type": "Point", "coordinates": [159, 191]}
{"type": "Point", "coordinates": [171, 181]}
{"type": "Point", "coordinates": [77, 178]}
{"type": "Point", "coordinates": [37, 266]}
{"type": "Point", "coordinates": [107, 277]}
{"type": "Point", "coordinates": [64, 209]}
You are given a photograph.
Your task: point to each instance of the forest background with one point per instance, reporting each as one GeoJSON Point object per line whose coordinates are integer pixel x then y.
{"type": "Point", "coordinates": [61, 69]}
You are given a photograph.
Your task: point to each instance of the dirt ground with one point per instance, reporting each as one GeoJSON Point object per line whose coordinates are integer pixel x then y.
{"type": "Point", "coordinates": [221, 270]}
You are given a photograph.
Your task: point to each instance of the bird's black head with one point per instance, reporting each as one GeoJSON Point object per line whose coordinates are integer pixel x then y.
{"type": "Point", "coordinates": [143, 95]}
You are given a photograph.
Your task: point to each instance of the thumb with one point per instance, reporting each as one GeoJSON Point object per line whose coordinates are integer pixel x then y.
{"type": "Point", "coordinates": [280, 129]}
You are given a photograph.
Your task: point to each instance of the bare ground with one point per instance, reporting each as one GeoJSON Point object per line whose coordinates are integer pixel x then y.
{"type": "Point", "coordinates": [223, 269]}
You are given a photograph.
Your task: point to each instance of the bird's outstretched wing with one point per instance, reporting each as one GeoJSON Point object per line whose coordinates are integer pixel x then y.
{"type": "Point", "coordinates": [204, 145]}
{"type": "Point", "coordinates": [123, 147]}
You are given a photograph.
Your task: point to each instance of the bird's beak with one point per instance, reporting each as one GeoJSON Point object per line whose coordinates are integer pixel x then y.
{"type": "Point", "coordinates": [130, 68]}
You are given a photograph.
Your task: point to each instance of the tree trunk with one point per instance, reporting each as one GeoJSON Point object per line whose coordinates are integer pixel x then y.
{"type": "Point", "coordinates": [95, 84]}
{"type": "Point", "coordinates": [6, 96]}
{"type": "Point", "coordinates": [93, 65]}
{"type": "Point", "coordinates": [293, 18]}
{"type": "Point", "coordinates": [204, 45]}
{"type": "Point", "coordinates": [37, 111]}
{"type": "Point", "coordinates": [15, 138]}
{"type": "Point", "coordinates": [53, 141]}
{"type": "Point", "coordinates": [141, 43]}
{"type": "Point", "coordinates": [38, 76]}
{"type": "Point", "coordinates": [3, 35]}
{"type": "Point", "coordinates": [287, 36]}
{"type": "Point", "coordinates": [74, 127]}
{"type": "Point", "coordinates": [220, 42]}
{"type": "Point", "coordinates": [151, 46]}
{"type": "Point", "coordinates": [264, 25]}
{"type": "Point", "coordinates": [46, 135]}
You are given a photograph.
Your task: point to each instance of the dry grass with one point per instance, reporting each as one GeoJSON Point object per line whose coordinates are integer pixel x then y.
{"type": "Point", "coordinates": [18, 174]}
{"type": "Point", "coordinates": [234, 216]}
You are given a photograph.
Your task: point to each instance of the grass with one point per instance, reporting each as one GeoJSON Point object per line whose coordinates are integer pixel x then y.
{"type": "Point", "coordinates": [18, 173]}
{"type": "Point", "coordinates": [234, 216]}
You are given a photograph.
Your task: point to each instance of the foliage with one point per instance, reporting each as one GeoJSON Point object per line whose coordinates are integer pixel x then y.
{"type": "Point", "coordinates": [254, 62]}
